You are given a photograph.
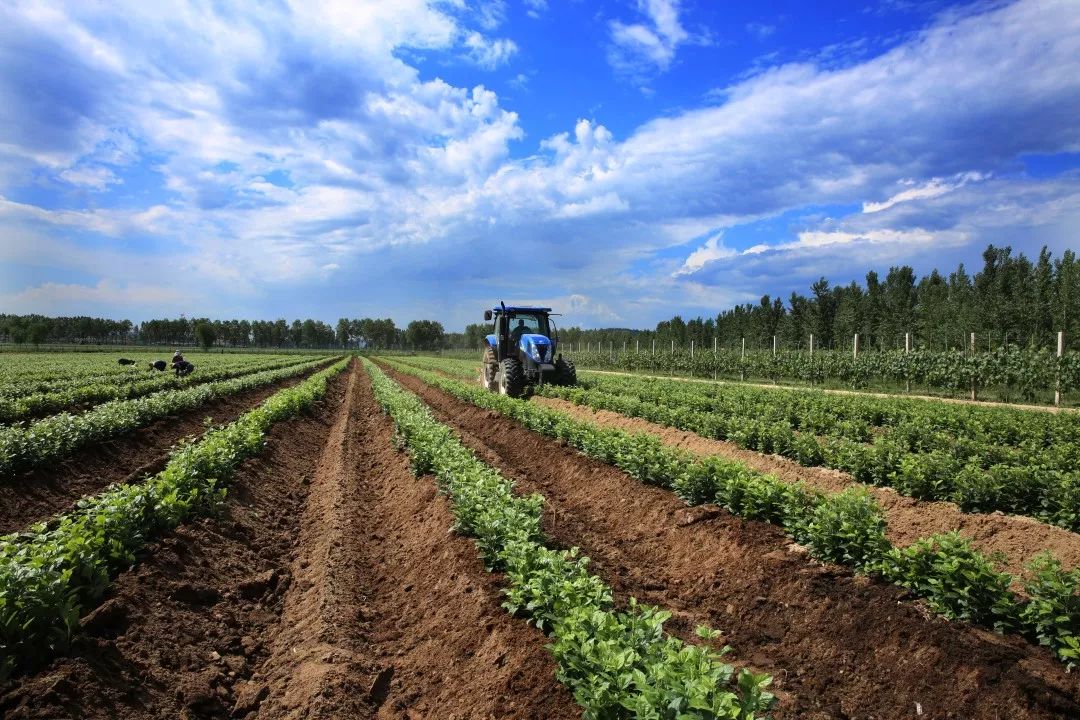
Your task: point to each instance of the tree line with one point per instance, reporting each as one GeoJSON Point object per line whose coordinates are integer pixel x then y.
{"type": "Point", "coordinates": [1012, 300]}
{"type": "Point", "coordinates": [374, 333]}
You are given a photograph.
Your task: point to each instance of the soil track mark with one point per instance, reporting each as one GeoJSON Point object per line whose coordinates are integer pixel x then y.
{"type": "Point", "coordinates": [838, 646]}
{"type": "Point", "coordinates": [1016, 537]}
{"type": "Point", "coordinates": [42, 493]}
{"type": "Point", "coordinates": [179, 635]}
{"type": "Point", "coordinates": [391, 616]}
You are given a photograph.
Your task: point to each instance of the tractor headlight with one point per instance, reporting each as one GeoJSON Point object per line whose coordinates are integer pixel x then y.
{"type": "Point", "coordinates": [534, 353]}
{"type": "Point", "coordinates": [547, 354]}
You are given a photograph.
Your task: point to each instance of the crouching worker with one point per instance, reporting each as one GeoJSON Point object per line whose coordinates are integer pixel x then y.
{"type": "Point", "coordinates": [158, 365]}
{"type": "Point", "coordinates": [125, 361]}
{"type": "Point", "coordinates": [183, 368]}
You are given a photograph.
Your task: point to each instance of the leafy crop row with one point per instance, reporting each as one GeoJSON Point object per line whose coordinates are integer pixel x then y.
{"type": "Point", "coordinates": [50, 573]}
{"type": "Point", "coordinates": [618, 664]}
{"type": "Point", "coordinates": [52, 438]}
{"type": "Point", "coordinates": [978, 476]}
{"type": "Point", "coordinates": [57, 398]}
{"type": "Point", "coordinates": [849, 528]}
{"type": "Point", "coordinates": [1027, 371]}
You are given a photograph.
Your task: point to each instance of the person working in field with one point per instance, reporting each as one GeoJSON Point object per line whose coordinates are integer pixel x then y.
{"type": "Point", "coordinates": [182, 367]}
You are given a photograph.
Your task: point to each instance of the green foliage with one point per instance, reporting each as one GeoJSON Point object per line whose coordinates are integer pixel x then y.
{"type": "Point", "coordinates": [24, 447]}
{"type": "Point", "coordinates": [848, 529]}
{"type": "Point", "coordinates": [1053, 612]}
{"type": "Point", "coordinates": [955, 580]}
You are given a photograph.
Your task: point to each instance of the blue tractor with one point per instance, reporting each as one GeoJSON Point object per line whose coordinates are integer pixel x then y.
{"type": "Point", "coordinates": [523, 351]}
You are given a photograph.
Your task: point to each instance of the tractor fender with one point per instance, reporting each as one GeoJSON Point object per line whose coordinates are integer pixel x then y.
{"type": "Point", "coordinates": [492, 341]}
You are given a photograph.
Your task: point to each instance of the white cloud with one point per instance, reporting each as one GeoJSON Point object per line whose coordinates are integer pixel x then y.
{"type": "Point", "coordinates": [89, 176]}
{"type": "Point", "coordinates": [933, 188]}
{"type": "Point", "coordinates": [650, 45]}
{"type": "Point", "coordinates": [379, 160]}
{"type": "Point", "coordinates": [536, 8]}
{"type": "Point", "coordinates": [489, 54]}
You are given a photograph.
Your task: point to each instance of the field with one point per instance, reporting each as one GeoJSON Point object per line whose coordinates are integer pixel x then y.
{"type": "Point", "coordinates": [301, 536]}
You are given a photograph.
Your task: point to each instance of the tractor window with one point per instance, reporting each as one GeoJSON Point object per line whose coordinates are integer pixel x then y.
{"type": "Point", "coordinates": [521, 324]}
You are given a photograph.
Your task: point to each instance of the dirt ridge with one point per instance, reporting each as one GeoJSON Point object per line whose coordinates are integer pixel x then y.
{"type": "Point", "coordinates": [1018, 539]}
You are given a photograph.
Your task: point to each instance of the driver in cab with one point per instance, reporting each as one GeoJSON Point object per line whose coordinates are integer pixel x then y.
{"type": "Point", "coordinates": [519, 330]}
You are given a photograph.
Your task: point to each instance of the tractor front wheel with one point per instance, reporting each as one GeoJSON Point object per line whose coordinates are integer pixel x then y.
{"type": "Point", "coordinates": [511, 377]}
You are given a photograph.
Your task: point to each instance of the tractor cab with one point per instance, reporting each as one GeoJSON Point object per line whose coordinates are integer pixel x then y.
{"type": "Point", "coordinates": [521, 351]}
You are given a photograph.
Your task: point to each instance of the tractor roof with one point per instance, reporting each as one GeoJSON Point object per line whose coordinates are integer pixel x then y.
{"type": "Point", "coordinates": [523, 309]}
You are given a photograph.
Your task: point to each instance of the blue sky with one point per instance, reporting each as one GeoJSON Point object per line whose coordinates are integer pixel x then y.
{"type": "Point", "coordinates": [622, 160]}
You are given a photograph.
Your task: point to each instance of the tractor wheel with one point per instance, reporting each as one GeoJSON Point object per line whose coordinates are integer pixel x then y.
{"type": "Point", "coordinates": [512, 378]}
{"type": "Point", "coordinates": [565, 372]}
{"type": "Point", "coordinates": [490, 368]}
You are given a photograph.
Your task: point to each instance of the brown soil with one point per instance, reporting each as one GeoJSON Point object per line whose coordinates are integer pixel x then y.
{"type": "Point", "coordinates": [330, 588]}
{"type": "Point", "coordinates": [1018, 539]}
{"type": "Point", "coordinates": [43, 493]}
{"type": "Point", "coordinates": [837, 645]}
{"type": "Point", "coordinates": [178, 635]}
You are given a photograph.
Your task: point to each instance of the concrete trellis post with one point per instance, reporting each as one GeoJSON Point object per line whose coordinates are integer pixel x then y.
{"type": "Point", "coordinates": [774, 346]}
{"type": "Point", "coordinates": [974, 388]}
{"type": "Point", "coordinates": [1060, 354]}
{"type": "Point", "coordinates": [907, 349]}
{"type": "Point", "coordinates": [714, 357]}
{"type": "Point", "coordinates": [855, 347]}
{"type": "Point", "coordinates": [742, 361]}
{"type": "Point", "coordinates": [691, 358]}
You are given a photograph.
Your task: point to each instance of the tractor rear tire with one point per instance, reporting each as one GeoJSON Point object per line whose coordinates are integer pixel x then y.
{"type": "Point", "coordinates": [511, 378]}
{"type": "Point", "coordinates": [490, 368]}
{"type": "Point", "coordinates": [565, 372]}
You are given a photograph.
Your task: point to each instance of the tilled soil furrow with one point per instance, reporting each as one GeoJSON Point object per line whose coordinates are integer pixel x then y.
{"type": "Point", "coordinates": [839, 646]}
{"type": "Point", "coordinates": [391, 616]}
{"type": "Point", "coordinates": [43, 493]}
{"type": "Point", "coordinates": [1017, 538]}
{"type": "Point", "coordinates": [180, 635]}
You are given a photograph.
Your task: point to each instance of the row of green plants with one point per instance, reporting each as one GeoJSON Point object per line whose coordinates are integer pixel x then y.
{"type": "Point", "coordinates": [47, 367]}
{"type": "Point", "coordinates": [1024, 372]}
{"type": "Point", "coordinates": [999, 425]}
{"type": "Point", "coordinates": [1041, 439]}
{"type": "Point", "coordinates": [18, 407]}
{"type": "Point", "coordinates": [618, 664]}
{"type": "Point", "coordinates": [64, 378]}
{"type": "Point", "coordinates": [51, 573]}
{"type": "Point", "coordinates": [28, 446]}
{"type": "Point", "coordinates": [849, 528]}
{"type": "Point", "coordinates": [976, 476]}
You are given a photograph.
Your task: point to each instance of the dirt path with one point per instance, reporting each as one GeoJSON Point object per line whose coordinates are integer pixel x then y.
{"type": "Point", "coordinates": [330, 588]}
{"type": "Point", "coordinates": [837, 645]}
{"type": "Point", "coordinates": [1017, 538]}
{"type": "Point", "coordinates": [178, 636]}
{"type": "Point", "coordinates": [834, 391]}
{"type": "Point", "coordinates": [390, 615]}
{"type": "Point", "coordinates": [40, 494]}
